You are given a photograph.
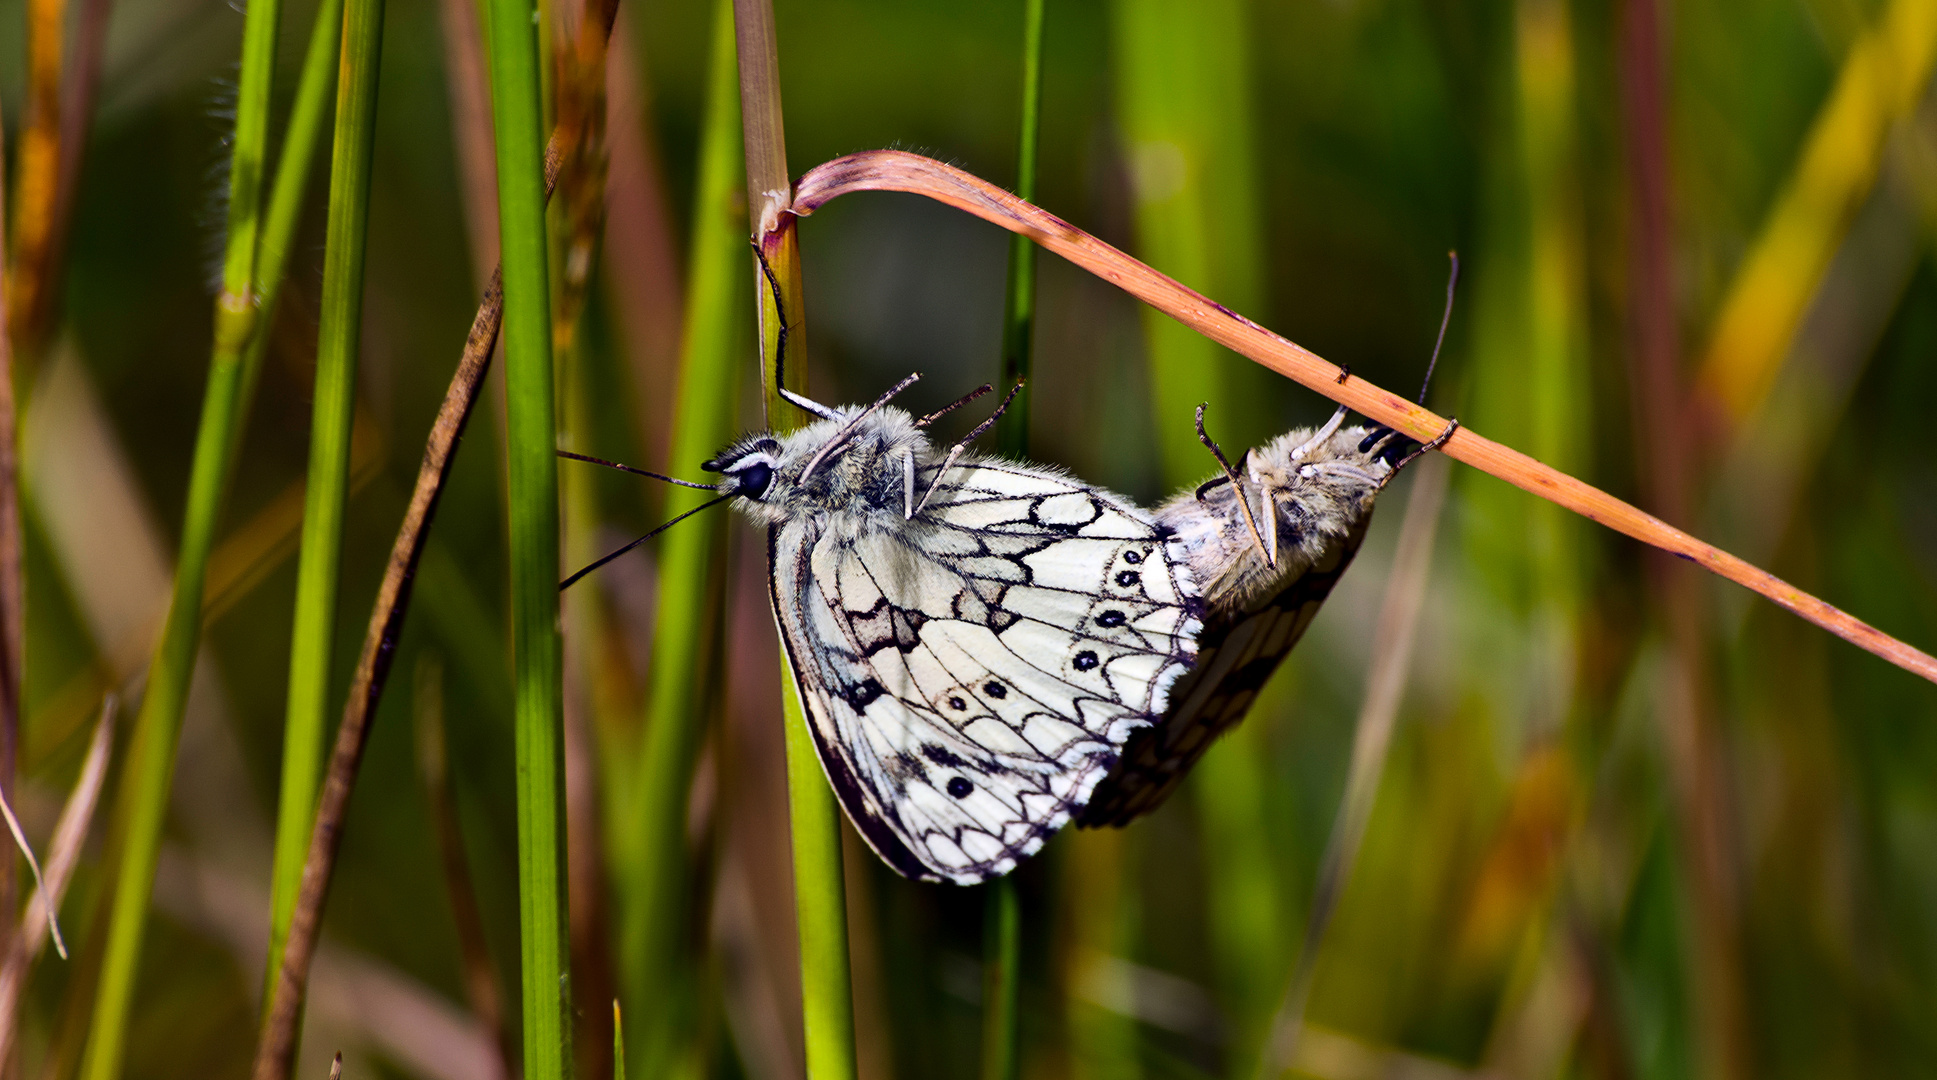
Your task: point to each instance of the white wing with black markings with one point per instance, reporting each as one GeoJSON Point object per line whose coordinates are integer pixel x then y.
{"type": "Point", "coordinates": [971, 673]}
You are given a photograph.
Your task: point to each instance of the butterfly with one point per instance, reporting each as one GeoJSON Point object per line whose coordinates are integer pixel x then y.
{"type": "Point", "coordinates": [1264, 543]}
{"type": "Point", "coordinates": [973, 639]}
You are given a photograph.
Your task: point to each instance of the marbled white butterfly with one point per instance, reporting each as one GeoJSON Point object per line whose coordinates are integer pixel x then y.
{"type": "Point", "coordinates": [974, 639]}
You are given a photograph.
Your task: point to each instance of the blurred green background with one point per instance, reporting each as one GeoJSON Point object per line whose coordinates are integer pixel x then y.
{"type": "Point", "coordinates": [1634, 823]}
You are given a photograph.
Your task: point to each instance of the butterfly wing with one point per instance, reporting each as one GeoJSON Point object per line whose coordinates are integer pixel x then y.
{"type": "Point", "coordinates": [1237, 653]}
{"type": "Point", "coordinates": [970, 675]}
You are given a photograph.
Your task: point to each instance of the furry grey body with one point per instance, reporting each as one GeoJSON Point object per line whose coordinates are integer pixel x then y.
{"type": "Point", "coordinates": [1312, 509]}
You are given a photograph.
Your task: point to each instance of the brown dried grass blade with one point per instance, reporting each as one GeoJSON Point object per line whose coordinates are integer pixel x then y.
{"type": "Point", "coordinates": [895, 170]}
{"type": "Point", "coordinates": [63, 854]}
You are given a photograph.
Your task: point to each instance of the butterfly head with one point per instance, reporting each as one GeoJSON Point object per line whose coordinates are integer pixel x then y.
{"type": "Point", "coordinates": [748, 467]}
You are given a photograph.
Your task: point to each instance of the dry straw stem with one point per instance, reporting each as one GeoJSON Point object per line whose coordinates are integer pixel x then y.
{"type": "Point", "coordinates": [894, 170]}
{"type": "Point", "coordinates": [1883, 76]}
{"type": "Point", "coordinates": [13, 606]}
{"type": "Point", "coordinates": [63, 854]}
{"type": "Point", "coordinates": [820, 890]}
{"type": "Point", "coordinates": [60, 101]}
{"type": "Point", "coordinates": [275, 1053]}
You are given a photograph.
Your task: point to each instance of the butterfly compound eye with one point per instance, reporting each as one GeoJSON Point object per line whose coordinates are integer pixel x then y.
{"type": "Point", "coordinates": [753, 480]}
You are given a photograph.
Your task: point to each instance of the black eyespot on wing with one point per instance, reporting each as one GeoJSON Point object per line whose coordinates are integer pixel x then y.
{"type": "Point", "coordinates": [1112, 619]}
{"type": "Point", "coordinates": [959, 787]}
{"type": "Point", "coordinates": [995, 689]}
{"type": "Point", "coordinates": [863, 695]}
{"type": "Point", "coordinates": [1127, 578]}
{"type": "Point", "coordinates": [1133, 557]}
{"type": "Point", "coordinates": [957, 703]}
{"type": "Point", "coordinates": [1085, 661]}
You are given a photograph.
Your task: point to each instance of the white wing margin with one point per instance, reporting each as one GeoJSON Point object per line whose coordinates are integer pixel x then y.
{"type": "Point", "coordinates": [970, 675]}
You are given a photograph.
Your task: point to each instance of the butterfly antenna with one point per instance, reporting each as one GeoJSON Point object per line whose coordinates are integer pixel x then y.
{"type": "Point", "coordinates": [1452, 282]}
{"type": "Point", "coordinates": [983, 427]}
{"type": "Point", "coordinates": [840, 438]}
{"type": "Point", "coordinates": [953, 405]}
{"type": "Point", "coordinates": [708, 504]}
{"type": "Point", "coordinates": [961, 444]}
{"type": "Point", "coordinates": [799, 401]}
{"type": "Point", "coordinates": [636, 472]}
{"type": "Point", "coordinates": [1237, 489]}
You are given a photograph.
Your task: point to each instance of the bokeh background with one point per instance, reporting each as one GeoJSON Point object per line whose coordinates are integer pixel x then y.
{"type": "Point", "coordinates": [1633, 823]}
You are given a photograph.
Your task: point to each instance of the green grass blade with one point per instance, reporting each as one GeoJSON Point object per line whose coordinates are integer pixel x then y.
{"type": "Point", "coordinates": [1001, 967]}
{"type": "Point", "coordinates": [1184, 93]}
{"type": "Point", "coordinates": [1002, 921]}
{"type": "Point", "coordinates": [306, 722]}
{"type": "Point", "coordinates": [301, 138]}
{"type": "Point", "coordinates": [820, 901]}
{"type": "Point", "coordinates": [618, 1042]}
{"type": "Point", "coordinates": [143, 798]}
{"type": "Point", "coordinates": [820, 891]}
{"type": "Point", "coordinates": [533, 492]}
{"type": "Point", "coordinates": [1019, 318]}
{"type": "Point", "coordinates": [686, 666]}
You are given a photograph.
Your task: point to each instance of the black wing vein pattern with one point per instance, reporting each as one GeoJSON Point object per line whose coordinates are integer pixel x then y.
{"type": "Point", "coordinates": [1236, 657]}
{"type": "Point", "coordinates": [970, 675]}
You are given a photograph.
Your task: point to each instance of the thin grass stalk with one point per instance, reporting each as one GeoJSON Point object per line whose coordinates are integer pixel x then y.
{"type": "Point", "coordinates": [144, 792]}
{"type": "Point", "coordinates": [687, 670]}
{"type": "Point", "coordinates": [1019, 316]}
{"type": "Point", "coordinates": [1385, 685]}
{"type": "Point", "coordinates": [1884, 75]}
{"type": "Point", "coordinates": [1001, 977]}
{"type": "Point", "coordinates": [1002, 909]}
{"type": "Point", "coordinates": [302, 135]}
{"type": "Point", "coordinates": [894, 170]}
{"type": "Point", "coordinates": [276, 1050]}
{"type": "Point", "coordinates": [820, 898]}
{"type": "Point", "coordinates": [13, 605]}
{"type": "Point", "coordinates": [50, 210]}
{"type": "Point", "coordinates": [37, 164]}
{"type": "Point", "coordinates": [60, 93]}
{"type": "Point", "coordinates": [1183, 93]}
{"type": "Point", "coordinates": [433, 764]}
{"type": "Point", "coordinates": [517, 114]}
{"type": "Point", "coordinates": [1690, 732]}
{"type": "Point", "coordinates": [319, 566]}
{"type": "Point", "coordinates": [63, 855]}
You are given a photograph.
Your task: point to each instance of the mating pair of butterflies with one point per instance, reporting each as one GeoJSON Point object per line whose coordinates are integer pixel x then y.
{"type": "Point", "coordinates": [988, 649]}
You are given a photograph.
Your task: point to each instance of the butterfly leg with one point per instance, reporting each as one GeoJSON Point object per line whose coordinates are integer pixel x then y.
{"type": "Point", "coordinates": [1318, 439]}
{"type": "Point", "coordinates": [1268, 550]}
{"type": "Point", "coordinates": [962, 444]}
{"type": "Point", "coordinates": [1438, 441]}
{"type": "Point", "coordinates": [1268, 498]}
{"type": "Point", "coordinates": [800, 401]}
{"type": "Point", "coordinates": [908, 485]}
{"type": "Point", "coordinates": [840, 438]}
